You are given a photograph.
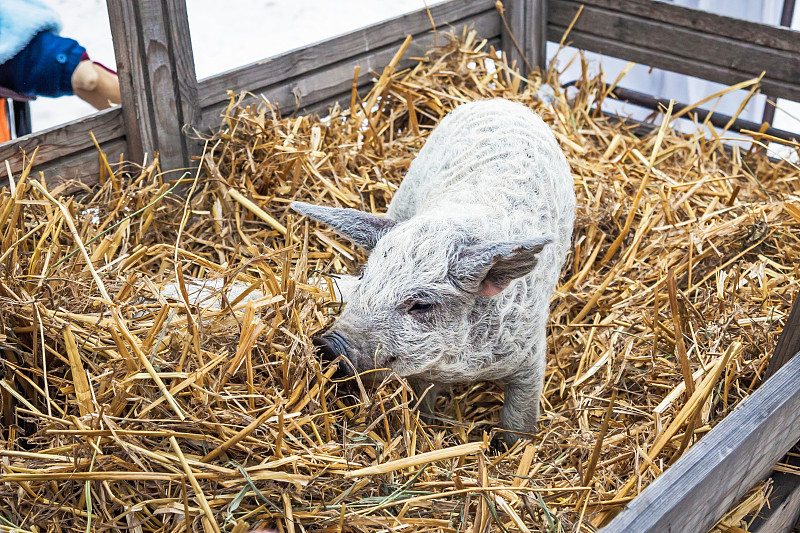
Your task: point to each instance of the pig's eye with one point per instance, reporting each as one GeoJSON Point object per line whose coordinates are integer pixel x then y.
{"type": "Point", "coordinates": [419, 307]}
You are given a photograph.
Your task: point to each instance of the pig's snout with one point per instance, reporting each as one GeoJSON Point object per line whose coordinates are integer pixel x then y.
{"type": "Point", "coordinates": [330, 346]}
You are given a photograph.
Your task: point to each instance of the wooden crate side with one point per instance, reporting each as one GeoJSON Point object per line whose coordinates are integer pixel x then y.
{"type": "Point", "coordinates": [66, 145]}
{"type": "Point", "coordinates": [323, 86]}
{"type": "Point", "coordinates": [684, 40]}
{"type": "Point", "coordinates": [703, 484]}
{"type": "Point", "coordinates": [703, 21]}
{"type": "Point", "coordinates": [360, 43]}
{"type": "Point", "coordinates": [79, 170]}
{"type": "Point", "coordinates": [343, 98]}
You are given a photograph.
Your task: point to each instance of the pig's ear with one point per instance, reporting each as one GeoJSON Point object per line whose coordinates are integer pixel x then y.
{"type": "Point", "coordinates": [487, 269]}
{"type": "Point", "coordinates": [364, 229]}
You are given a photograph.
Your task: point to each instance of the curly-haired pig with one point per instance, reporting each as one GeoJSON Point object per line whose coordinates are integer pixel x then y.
{"type": "Point", "coordinates": [462, 268]}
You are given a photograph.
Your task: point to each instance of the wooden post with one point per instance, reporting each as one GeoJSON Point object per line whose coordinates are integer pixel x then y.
{"type": "Point", "coordinates": [157, 79]}
{"type": "Point", "coordinates": [787, 13]}
{"type": "Point", "coordinates": [537, 40]}
{"type": "Point", "coordinates": [524, 36]}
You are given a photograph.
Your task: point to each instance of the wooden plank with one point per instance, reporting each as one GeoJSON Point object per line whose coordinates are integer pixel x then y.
{"type": "Point", "coordinates": [672, 63]}
{"type": "Point", "coordinates": [78, 171]}
{"type": "Point", "coordinates": [732, 53]}
{"type": "Point", "coordinates": [703, 484]}
{"type": "Point", "coordinates": [786, 512]}
{"type": "Point", "coordinates": [789, 341]}
{"type": "Point", "coordinates": [343, 98]}
{"type": "Point", "coordinates": [158, 84]}
{"type": "Point", "coordinates": [536, 47]}
{"type": "Point", "coordinates": [782, 516]}
{"type": "Point", "coordinates": [321, 107]}
{"type": "Point", "coordinates": [322, 85]}
{"type": "Point", "coordinates": [354, 45]}
{"type": "Point", "coordinates": [787, 13]}
{"type": "Point", "coordinates": [62, 142]}
{"type": "Point", "coordinates": [702, 21]}
{"type": "Point", "coordinates": [622, 29]}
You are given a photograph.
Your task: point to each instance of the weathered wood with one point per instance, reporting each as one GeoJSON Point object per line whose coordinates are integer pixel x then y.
{"type": "Point", "coordinates": [785, 512]}
{"type": "Point", "coordinates": [703, 484]}
{"type": "Point", "coordinates": [322, 85]}
{"type": "Point", "coordinates": [343, 98]}
{"type": "Point", "coordinates": [789, 341]}
{"type": "Point", "coordinates": [537, 33]}
{"type": "Point", "coordinates": [699, 20]}
{"type": "Point", "coordinates": [782, 516]}
{"type": "Point", "coordinates": [684, 40]}
{"type": "Point", "coordinates": [360, 43]}
{"type": "Point", "coordinates": [787, 13]}
{"type": "Point", "coordinates": [158, 84]}
{"type": "Point", "coordinates": [527, 20]}
{"type": "Point", "coordinates": [514, 32]}
{"type": "Point", "coordinates": [79, 170]}
{"type": "Point", "coordinates": [62, 143]}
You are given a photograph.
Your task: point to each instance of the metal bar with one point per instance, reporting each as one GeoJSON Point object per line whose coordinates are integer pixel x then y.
{"type": "Point", "coordinates": [717, 119]}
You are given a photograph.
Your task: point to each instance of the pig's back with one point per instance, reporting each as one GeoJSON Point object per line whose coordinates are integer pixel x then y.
{"type": "Point", "coordinates": [497, 156]}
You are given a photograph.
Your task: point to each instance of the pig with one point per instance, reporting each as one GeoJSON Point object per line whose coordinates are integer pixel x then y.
{"type": "Point", "coordinates": [462, 268]}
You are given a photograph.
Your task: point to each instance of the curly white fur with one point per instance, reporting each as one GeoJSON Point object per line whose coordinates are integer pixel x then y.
{"type": "Point", "coordinates": [458, 284]}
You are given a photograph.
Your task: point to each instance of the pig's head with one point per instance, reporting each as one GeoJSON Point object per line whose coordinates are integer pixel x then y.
{"type": "Point", "coordinates": [422, 306]}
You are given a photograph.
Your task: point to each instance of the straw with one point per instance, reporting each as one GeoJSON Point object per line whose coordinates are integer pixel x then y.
{"type": "Point", "coordinates": [123, 408]}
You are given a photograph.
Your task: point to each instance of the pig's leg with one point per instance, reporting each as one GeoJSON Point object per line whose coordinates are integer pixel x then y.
{"type": "Point", "coordinates": [428, 404]}
{"type": "Point", "coordinates": [521, 406]}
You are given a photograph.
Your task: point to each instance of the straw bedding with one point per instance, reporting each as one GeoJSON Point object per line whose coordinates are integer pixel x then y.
{"type": "Point", "coordinates": [124, 410]}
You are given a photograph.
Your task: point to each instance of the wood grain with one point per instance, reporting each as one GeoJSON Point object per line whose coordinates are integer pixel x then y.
{"type": "Point", "coordinates": [158, 84]}
{"type": "Point", "coordinates": [515, 29]}
{"type": "Point", "coordinates": [324, 85]}
{"type": "Point", "coordinates": [355, 45]}
{"type": "Point", "coordinates": [782, 516]}
{"type": "Point", "coordinates": [77, 171]}
{"type": "Point", "coordinates": [703, 484]}
{"type": "Point", "coordinates": [789, 341]}
{"type": "Point", "coordinates": [702, 21]}
{"type": "Point", "coordinates": [67, 152]}
{"type": "Point", "coordinates": [785, 497]}
{"type": "Point", "coordinates": [684, 40]}
{"type": "Point", "coordinates": [527, 20]}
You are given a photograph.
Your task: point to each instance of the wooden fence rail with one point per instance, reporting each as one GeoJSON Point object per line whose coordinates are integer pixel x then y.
{"type": "Point", "coordinates": [322, 73]}
{"type": "Point", "coordinates": [700, 487]}
{"type": "Point", "coordinates": [697, 43]}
